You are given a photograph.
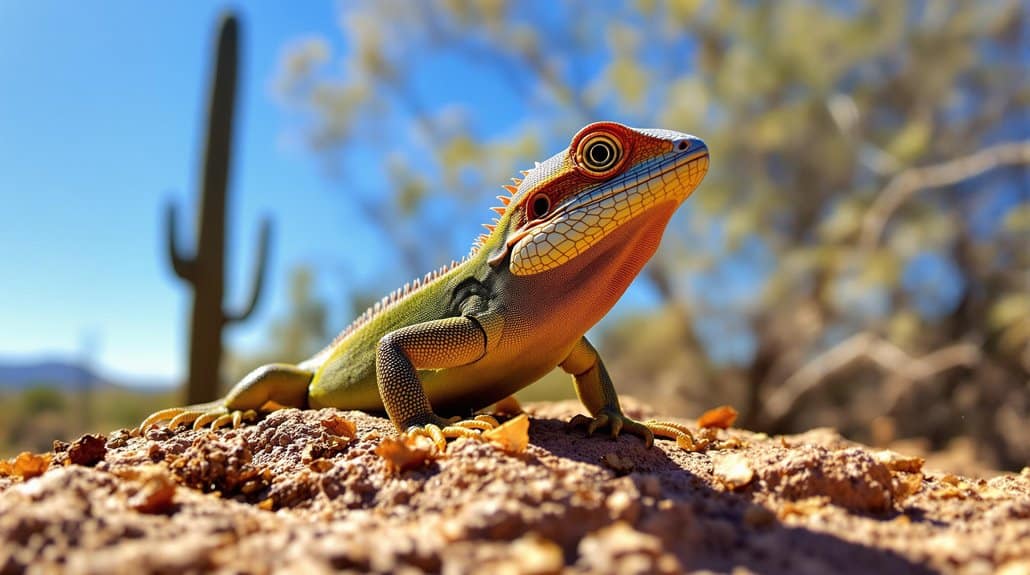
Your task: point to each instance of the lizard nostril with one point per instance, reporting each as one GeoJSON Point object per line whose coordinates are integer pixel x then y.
{"type": "Point", "coordinates": [682, 145]}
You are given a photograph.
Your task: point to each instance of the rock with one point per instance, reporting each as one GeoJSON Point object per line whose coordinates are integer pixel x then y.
{"type": "Point", "coordinates": [306, 491]}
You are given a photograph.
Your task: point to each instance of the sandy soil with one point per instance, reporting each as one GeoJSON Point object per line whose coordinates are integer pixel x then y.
{"type": "Point", "coordinates": [307, 492]}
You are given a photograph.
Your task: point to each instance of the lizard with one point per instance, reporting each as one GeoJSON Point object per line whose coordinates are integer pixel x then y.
{"type": "Point", "coordinates": [570, 237]}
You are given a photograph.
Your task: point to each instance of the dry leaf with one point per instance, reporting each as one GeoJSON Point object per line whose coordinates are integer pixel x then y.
{"type": "Point", "coordinates": [26, 465]}
{"type": "Point", "coordinates": [733, 471]}
{"type": "Point", "coordinates": [721, 417]}
{"type": "Point", "coordinates": [340, 426]}
{"type": "Point", "coordinates": [406, 452]}
{"type": "Point", "coordinates": [906, 484]}
{"type": "Point", "coordinates": [731, 443]}
{"type": "Point", "coordinates": [804, 507]}
{"type": "Point", "coordinates": [512, 436]}
{"type": "Point", "coordinates": [320, 465]}
{"type": "Point", "coordinates": [898, 462]}
{"type": "Point", "coordinates": [948, 492]}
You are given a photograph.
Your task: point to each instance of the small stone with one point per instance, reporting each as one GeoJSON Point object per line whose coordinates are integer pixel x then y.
{"type": "Point", "coordinates": [617, 463]}
{"type": "Point", "coordinates": [734, 471]}
{"type": "Point", "coordinates": [157, 492]}
{"type": "Point", "coordinates": [88, 450]}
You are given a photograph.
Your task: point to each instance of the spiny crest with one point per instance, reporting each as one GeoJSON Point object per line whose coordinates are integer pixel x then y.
{"type": "Point", "coordinates": [505, 200]}
{"type": "Point", "coordinates": [395, 296]}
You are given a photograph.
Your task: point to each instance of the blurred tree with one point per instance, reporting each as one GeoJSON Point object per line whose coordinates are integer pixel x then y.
{"type": "Point", "coordinates": [42, 398]}
{"type": "Point", "coordinates": [862, 234]}
{"type": "Point", "coordinates": [302, 332]}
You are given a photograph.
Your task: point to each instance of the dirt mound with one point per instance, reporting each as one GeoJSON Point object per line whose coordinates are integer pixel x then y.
{"type": "Point", "coordinates": [307, 492]}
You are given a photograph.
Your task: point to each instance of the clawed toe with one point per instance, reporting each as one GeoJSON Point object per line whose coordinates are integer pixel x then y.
{"type": "Point", "coordinates": [431, 430]}
{"type": "Point", "coordinates": [453, 429]}
{"type": "Point", "coordinates": [617, 423]}
{"type": "Point", "coordinates": [481, 422]}
{"type": "Point", "coordinates": [214, 415]}
{"type": "Point", "coordinates": [208, 417]}
{"type": "Point", "coordinates": [669, 429]}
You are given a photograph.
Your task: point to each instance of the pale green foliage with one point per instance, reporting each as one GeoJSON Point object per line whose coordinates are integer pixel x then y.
{"type": "Point", "coordinates": [297, 335]}
{"type": "Point", "coordinates": [810, 109]}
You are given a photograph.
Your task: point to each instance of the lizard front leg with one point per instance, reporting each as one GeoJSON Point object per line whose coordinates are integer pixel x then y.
{"type": "Point", "coordinates": [437, 344]}
{"type": "Point", "coordinates": [594, 388]}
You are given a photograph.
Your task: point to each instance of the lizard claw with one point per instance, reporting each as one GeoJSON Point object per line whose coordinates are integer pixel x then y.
{"type": "Point", "coordinates": [481, 422]}
{"type": "Point", "coordinates": [669, 430]}
{"type": "Point", "coordinates": [616, 422]}
{"type": "Point", "coordinates": [431, 430]}
{"type": "Point", "coordinates": [214, 414]}
{"type": "Point", "coordinates": [176, 416]}
{"type": "Point", "coordinates": [440, 432]}
{"type": "Point", "coordinates": [208, 417]}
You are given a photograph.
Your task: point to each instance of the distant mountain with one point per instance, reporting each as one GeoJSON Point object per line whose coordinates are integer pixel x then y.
{"type": "Point", "coordinates": [60, 374]}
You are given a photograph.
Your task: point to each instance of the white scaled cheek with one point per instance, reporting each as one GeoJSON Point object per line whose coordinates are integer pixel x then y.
{"type": "Point", "coordinates": [534, 254]}
{"type": "Point", "coordinates": [552, 245]}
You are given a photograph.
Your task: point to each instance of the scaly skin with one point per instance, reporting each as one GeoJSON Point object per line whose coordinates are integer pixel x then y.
{"type": "Point", "coordinates": [570, 238]}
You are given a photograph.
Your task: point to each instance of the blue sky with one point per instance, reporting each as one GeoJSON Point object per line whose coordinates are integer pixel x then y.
{"type": "Point", "coordinates": [100, 124]}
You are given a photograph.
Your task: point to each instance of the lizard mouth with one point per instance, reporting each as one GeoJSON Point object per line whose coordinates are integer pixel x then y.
{"type": "Point", "coordinates": [586, 219]}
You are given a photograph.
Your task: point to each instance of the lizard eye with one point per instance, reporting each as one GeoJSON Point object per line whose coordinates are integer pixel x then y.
{"type": "Point", "coordinates": [540, 205]}
{"type": "Point", "coordinates": [599, 154]}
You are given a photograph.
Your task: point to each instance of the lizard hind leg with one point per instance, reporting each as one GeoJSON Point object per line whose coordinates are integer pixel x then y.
{"type": "Point", "coordinates": [265, 389]}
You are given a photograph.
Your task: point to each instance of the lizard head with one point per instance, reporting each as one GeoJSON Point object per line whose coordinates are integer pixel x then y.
{"type": "Point", "coordinates": [609, 175]}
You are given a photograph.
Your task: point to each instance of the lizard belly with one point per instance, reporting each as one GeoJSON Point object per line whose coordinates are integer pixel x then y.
{"type": "Point", "coordinates": [345, 384]}
{"type": "Point", "coordinates": [503, 371]}
{"type": "Point", "coordinates": [462, 390]}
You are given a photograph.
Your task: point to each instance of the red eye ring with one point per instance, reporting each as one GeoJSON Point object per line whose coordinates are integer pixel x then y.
{"type": "Point", "coordinates": [539, 206]}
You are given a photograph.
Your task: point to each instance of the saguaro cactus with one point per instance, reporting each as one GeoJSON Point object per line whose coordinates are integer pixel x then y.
{"type": "Point", "coordinates": [205, 271]}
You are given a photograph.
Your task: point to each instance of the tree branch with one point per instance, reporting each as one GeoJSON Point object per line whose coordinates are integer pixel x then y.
{"type": "Point", "coordinates": [872, 348]}
{"type": "Point", "coordinates": [945, 358]}
{"type": "Point", "coordinates": [904, 185]}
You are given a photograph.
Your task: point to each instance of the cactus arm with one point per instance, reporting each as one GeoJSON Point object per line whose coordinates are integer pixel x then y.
{"type": "Point", "coordinates": [257, 285]}
{"type": "Point", "coordinates": [183, 266]}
